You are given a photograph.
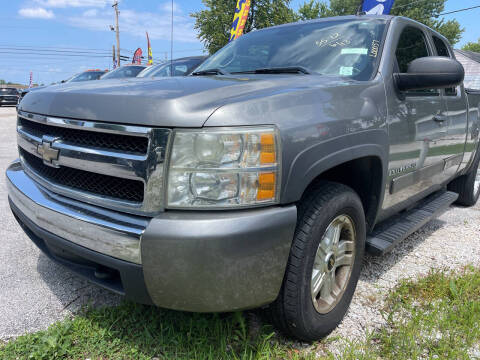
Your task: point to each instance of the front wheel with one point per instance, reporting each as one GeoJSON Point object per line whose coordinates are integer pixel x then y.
{"type": "Point", "coordinates": [324, 264]}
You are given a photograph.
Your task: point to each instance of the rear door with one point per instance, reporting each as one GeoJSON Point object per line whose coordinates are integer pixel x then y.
{"type": "Point", "coordinates": [456, 105]}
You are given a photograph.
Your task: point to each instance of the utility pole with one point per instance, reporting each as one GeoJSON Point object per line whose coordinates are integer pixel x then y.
{"type": "Point", "coordinates": [114, 60]}
{"type": "Point", "coordinates": [117, 30]}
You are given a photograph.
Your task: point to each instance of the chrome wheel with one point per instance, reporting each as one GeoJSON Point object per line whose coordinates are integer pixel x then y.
{"type": "Point", "coordinates": [333, 264]}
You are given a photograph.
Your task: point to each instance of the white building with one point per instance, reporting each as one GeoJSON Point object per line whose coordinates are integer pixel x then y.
{"type": "Point", "coordinates": [471, 62]}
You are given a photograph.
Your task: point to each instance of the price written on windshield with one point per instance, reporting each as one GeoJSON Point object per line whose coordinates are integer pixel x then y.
{"type": "Point", "coordinates": [334, 40]}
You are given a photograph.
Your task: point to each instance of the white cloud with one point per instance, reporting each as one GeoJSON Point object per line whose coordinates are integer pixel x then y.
{"type": "Point", "coordinates": [38, 12]}
{"type": "Point", "coordinates": [135, 23]}
{"type": "Point", "coordinates": [73, 3]}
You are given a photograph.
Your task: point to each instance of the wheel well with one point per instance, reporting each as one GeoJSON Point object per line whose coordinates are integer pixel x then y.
{"type": "Point", "coordinates": [364, 176]}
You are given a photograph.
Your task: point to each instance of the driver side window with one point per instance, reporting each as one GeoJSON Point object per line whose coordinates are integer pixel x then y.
{"type": "Point", "coordinates": [412, 45]}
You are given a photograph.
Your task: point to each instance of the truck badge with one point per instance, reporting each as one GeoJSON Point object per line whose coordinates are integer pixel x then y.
{"type": "Point", "coordinates": [48, 153]}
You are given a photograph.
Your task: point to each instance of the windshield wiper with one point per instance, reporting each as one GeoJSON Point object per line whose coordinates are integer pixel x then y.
{"type": "Point", "coordinates": [210, 72]}
{"type": "Point", "coordinates": [277, 70]}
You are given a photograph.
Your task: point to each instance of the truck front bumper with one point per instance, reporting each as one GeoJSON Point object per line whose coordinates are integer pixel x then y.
{"type": "Point", "coordinates": [185, 260]}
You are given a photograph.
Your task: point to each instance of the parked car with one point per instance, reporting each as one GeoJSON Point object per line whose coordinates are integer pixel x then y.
{"type": "Point", "coordinates": [8, 96]}
{"type": "Point", "coordinates": [181, 67]}
{"type": "Point", "coordinates": [261, 179]}
{"type": "Point", "coordinates": [126, 71]}
{"type": "Point", "coordinates": [87, 75]}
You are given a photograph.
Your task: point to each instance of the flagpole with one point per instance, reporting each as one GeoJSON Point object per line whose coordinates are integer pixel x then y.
{"type": "Point", "coordinates": [171, 46]}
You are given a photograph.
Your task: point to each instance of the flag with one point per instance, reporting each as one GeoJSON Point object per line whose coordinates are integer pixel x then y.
{"type": "Point", "coordinates": [239, 19]}
{"type": "Point", "coordinates": [377, 7]}
{"type": "Point", "coordinates": [150, 57]}
{"type": "Point", "coordinates": [137, 56]}
{"type": "Point", "coordinates": [31, 80]}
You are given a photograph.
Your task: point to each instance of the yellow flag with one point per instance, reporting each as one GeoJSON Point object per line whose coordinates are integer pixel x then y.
{"type": "Point", "coordinates": [150, 57]}
{"type": "Point", "coordinates": [239, 19]}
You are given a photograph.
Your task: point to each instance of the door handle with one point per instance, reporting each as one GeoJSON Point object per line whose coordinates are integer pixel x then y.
{"type": "Point", "coordinates": [440, 118]}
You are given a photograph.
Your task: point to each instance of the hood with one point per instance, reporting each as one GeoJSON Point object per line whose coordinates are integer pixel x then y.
{"type": "Point", "coordinates": [170, 102]}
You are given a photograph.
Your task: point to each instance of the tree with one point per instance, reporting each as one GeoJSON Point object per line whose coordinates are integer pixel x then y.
{"type": "Point", "coordinates": [471, 46]}
{"type": "Point", "coordinates": [312, 10]}
{"type": "Point", "coordinates": [213, 23]}
{"type": "Point", "coordinates": [426, 12]}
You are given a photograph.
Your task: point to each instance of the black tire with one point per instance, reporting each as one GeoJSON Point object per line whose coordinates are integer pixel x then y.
{"type": "Point", "coordinates": [293, 312]}
{"type": "Point", "coordinates": [465, 185]}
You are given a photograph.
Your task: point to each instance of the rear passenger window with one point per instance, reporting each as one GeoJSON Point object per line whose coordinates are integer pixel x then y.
{"type": "Point", "coordinates": [411, 46]}
{"type": "Point", "coordinates": [442, 50]}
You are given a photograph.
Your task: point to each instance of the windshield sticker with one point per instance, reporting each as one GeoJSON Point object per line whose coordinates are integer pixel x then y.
{"type": "Point", "coordinates": [346, 70]}
{"type": "Point", "coordinates": [359, 51]}
{"type": "Point", "coordinates": [374, 49]}
{"type": "Point", "coordinates": [333, 40]}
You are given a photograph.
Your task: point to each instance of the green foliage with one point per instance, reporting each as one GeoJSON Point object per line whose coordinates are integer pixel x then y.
{"type": "Point", "coordinates": [436, 316]}
{"type": "Point", "coordinates": [312, 10]}
{"type": "Point", "coordinates": [132, 331]}
{"type": "Point", "coordinates": [213, 23]}
{"type": "Point", "coordinates": [471, 46]}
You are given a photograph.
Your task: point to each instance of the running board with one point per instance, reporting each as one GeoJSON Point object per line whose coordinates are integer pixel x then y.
{"type": "Point", "coordinates": [388, 234]}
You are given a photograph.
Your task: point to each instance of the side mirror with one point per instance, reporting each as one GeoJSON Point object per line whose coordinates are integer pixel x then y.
{"type": "Point", "coordinates": [433, 72]}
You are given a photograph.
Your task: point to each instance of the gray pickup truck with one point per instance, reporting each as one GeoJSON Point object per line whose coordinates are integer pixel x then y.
{"type": "Point", "coordinates": [261, 179]}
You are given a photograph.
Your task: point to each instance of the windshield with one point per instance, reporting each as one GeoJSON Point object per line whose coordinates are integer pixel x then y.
{"type": "Point", "coordinates": [335, 47]}
{"type": "Point", "coordinates": [123, 72]}
{"type": "Point", "coordinates": [87, 76]}
{"type": "Point", "coordinates": [180, 68]}
{"type": "Point", "coordinates": [8, 92]}
{"type": "Point", "coordinates": [148, 70]}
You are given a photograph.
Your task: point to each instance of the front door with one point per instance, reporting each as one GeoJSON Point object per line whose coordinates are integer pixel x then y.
{"type": "Point", "coordinates": [418, 127]}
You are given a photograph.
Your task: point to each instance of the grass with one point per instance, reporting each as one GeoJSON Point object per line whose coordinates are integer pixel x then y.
{"type": "Point", "coordinates": [437, 316]}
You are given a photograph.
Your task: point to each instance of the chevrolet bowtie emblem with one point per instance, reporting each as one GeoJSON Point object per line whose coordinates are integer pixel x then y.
{"type": "Point", "coordinates": [48, 153]}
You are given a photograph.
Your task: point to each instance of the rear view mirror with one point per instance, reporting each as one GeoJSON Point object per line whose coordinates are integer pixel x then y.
{"type": "Point", "coordinates": [433, 72]}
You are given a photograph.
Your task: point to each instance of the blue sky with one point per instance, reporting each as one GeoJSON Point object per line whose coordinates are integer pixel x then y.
{"type": "Point", "coordinates": [83, 25]}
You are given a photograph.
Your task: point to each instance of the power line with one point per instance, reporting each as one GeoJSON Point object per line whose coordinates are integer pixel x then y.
{"type": "Point", "coordinates": [460, 10]}
{"type": "Point", "coordinates": [54, 51]}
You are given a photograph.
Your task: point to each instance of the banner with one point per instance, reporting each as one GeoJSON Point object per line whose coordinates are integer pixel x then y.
{"type": "Point", "coordinates": [150, 57]}
{"type": "Point", "coordinates": [377, 7]}
{"type": "Point", "coordinates": [137, 57]}
{"type": "Point", "coordinates": [239, 19]}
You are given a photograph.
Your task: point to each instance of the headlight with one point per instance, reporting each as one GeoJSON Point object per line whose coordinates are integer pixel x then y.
{"type": "Point", "coordinates": [224, 168]}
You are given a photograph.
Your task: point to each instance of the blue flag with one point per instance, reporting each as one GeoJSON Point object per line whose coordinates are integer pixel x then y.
{"type": "Point", "coordinates": [377, 7]}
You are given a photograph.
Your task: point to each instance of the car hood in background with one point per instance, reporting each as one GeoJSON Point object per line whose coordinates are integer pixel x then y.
{"type": "Point", "coordinates": [171, 102]}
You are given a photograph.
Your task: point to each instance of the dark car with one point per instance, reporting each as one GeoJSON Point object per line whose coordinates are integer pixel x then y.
{"type": "Point", "coordinates": [126, 71]}
{"type": "Point", "coordinates": [181, 67]}
{"type": "Point", "coordinates": [9, 96]}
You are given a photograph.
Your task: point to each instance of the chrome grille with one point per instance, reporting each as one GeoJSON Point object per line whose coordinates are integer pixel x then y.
{"type": "Point", "coordinates": [129, 144]}
{"type": "Point", "coordinates": [115, 166]}
{"type": "Point", "coordinates": [104, 185]}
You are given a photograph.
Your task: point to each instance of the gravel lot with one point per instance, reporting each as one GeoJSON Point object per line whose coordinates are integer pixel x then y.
{"type": "Point", "coordinates": [35, 292]}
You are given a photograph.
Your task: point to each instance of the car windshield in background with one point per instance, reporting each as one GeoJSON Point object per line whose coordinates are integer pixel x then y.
{"type": "Point", "coordinates": [336, 47]}
{"type": "Point", "coordinates": [8, 91]}
{"type": "Point", "coordinates": [87, 76]}
{"type": "Point", "coordinates": [123, 72]}
{"type": "Point", "coordinates": [180, 68]}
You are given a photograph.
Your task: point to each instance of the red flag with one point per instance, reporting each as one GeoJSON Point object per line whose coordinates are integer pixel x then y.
{"type": "Point", "coordinates": [137, 57]}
